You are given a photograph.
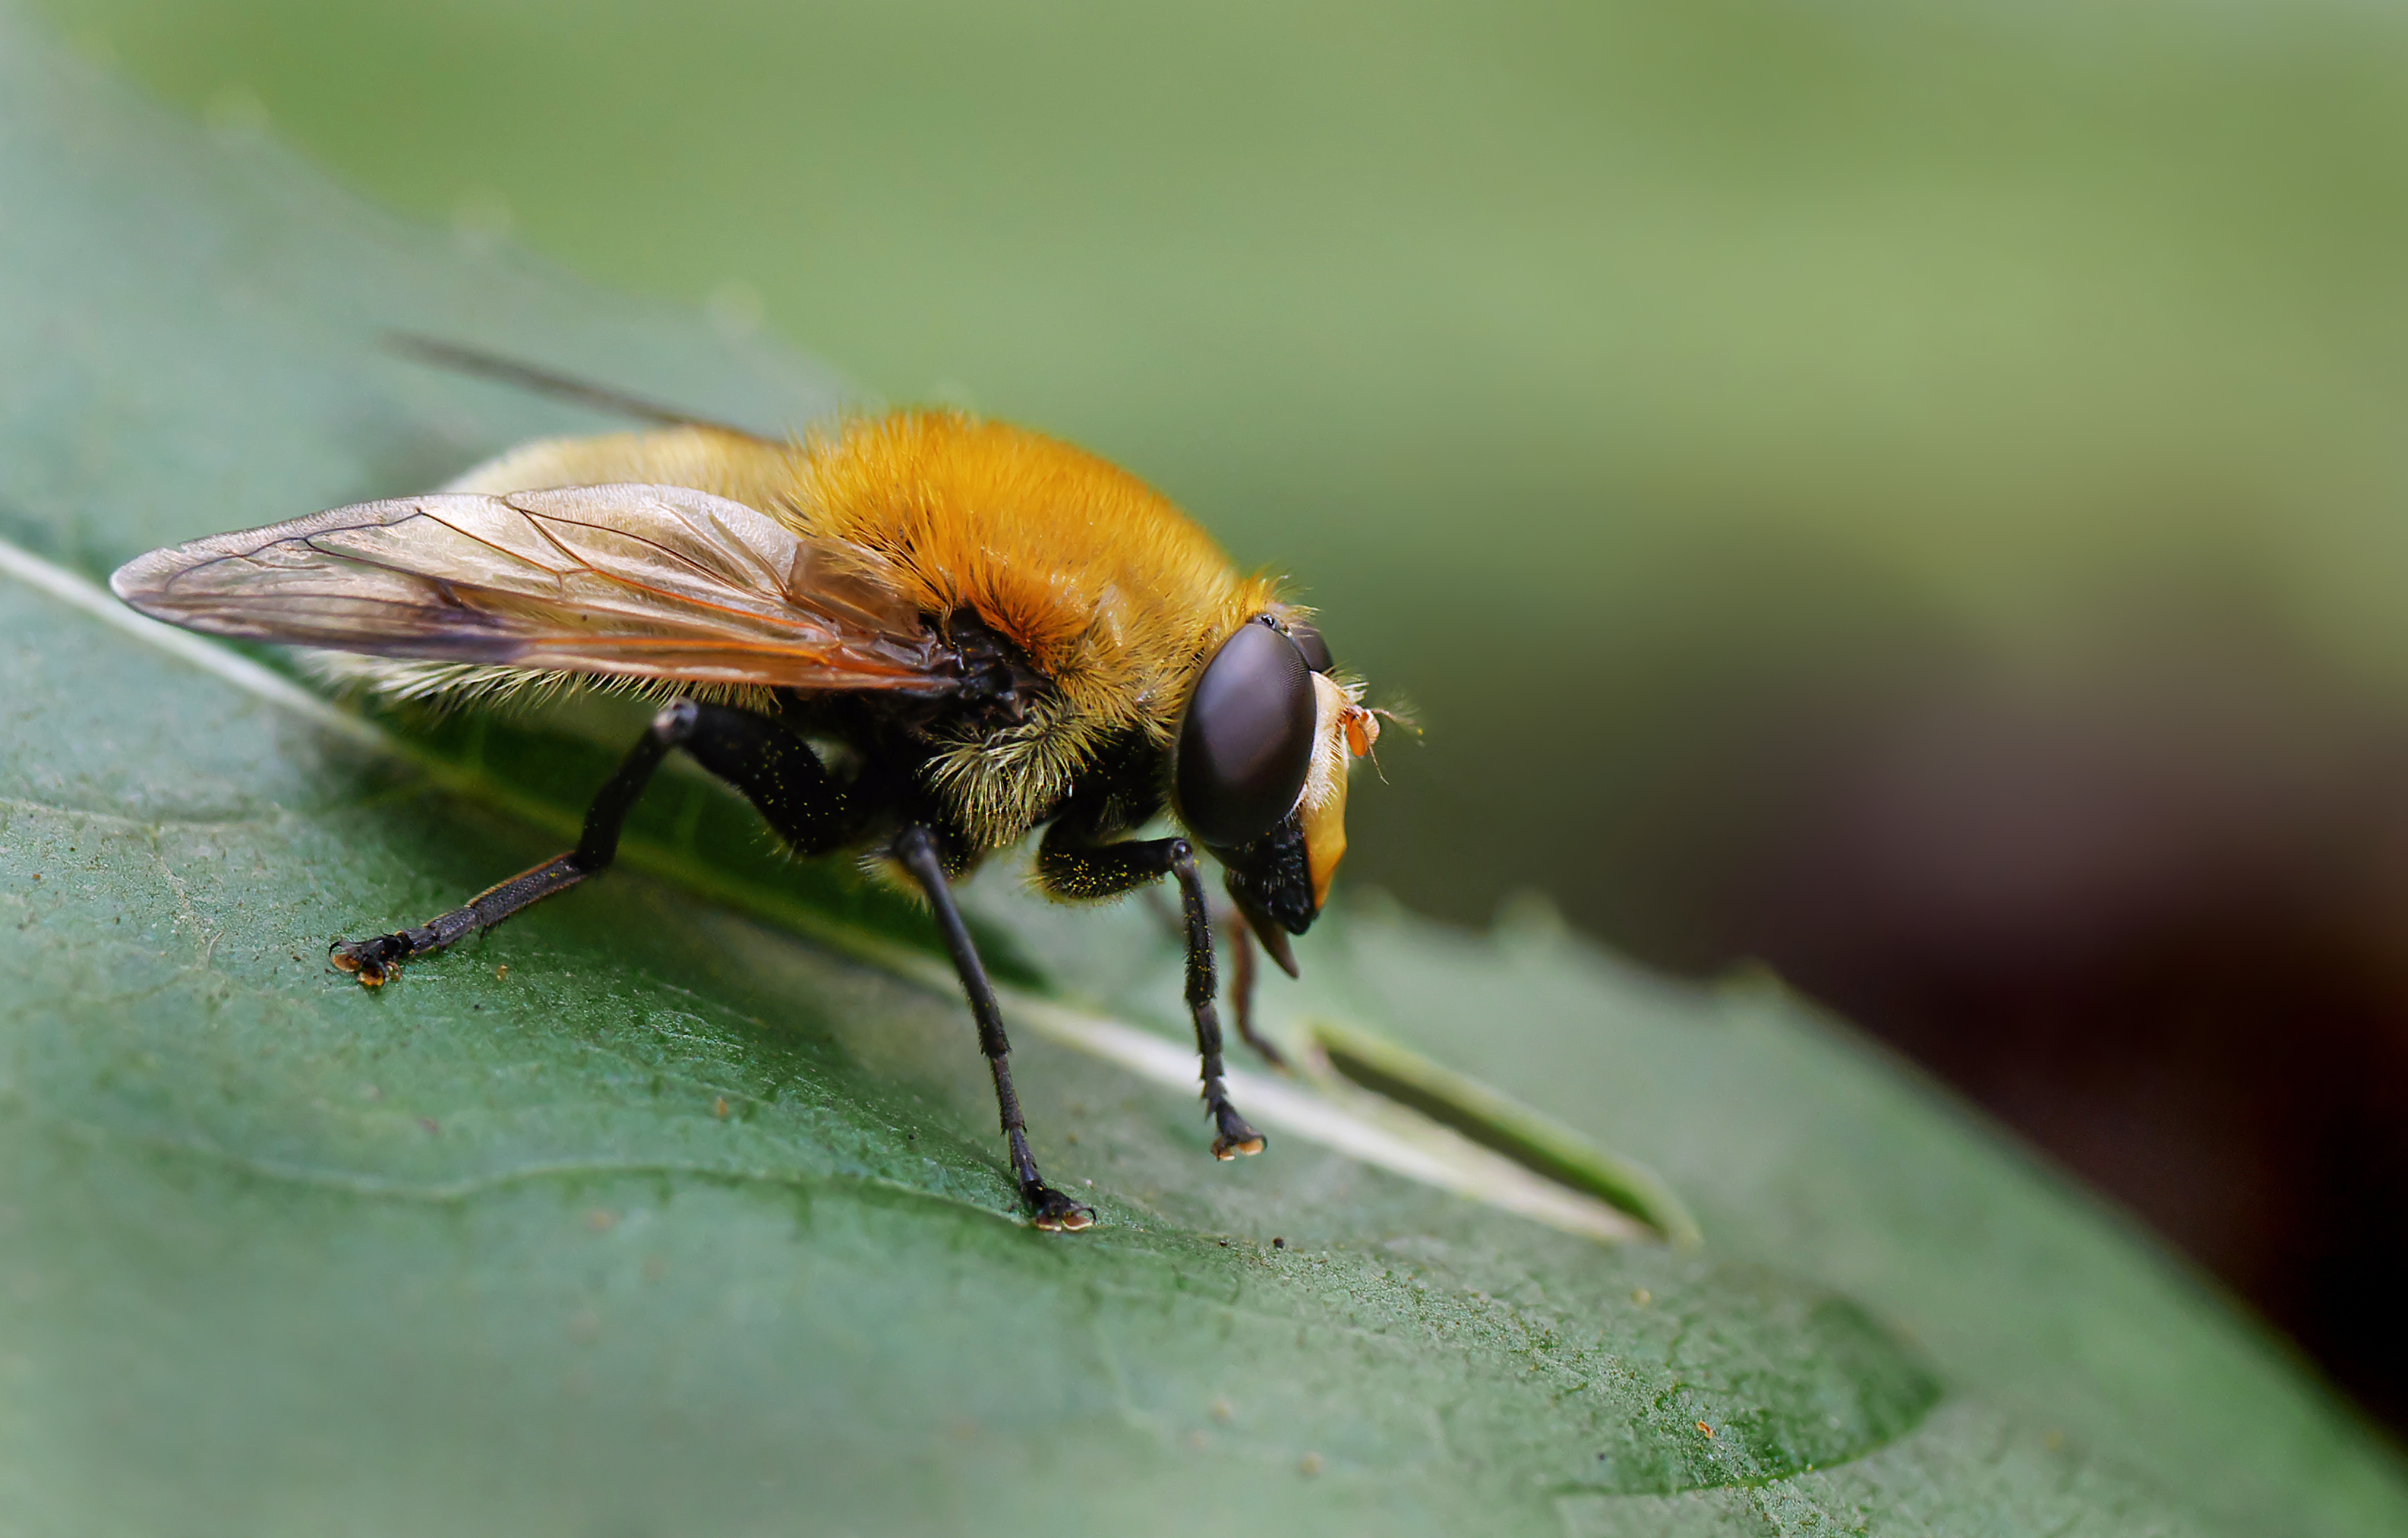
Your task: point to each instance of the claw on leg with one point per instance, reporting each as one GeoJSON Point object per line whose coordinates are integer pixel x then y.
{"type": "Point", "coordinates": [1050, 1210]}
{"type": "Point", "coordinates": [371, 960]}
{"type": "Point", "coordinates": [1236, 1136]}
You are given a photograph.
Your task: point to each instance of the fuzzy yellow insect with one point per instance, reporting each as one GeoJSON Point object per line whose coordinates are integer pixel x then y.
{"type": "Point", "coordinates": [915, 637]}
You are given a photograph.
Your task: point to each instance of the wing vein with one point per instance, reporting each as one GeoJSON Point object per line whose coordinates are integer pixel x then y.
{"type": "Point", "coordinates": [642, 581]}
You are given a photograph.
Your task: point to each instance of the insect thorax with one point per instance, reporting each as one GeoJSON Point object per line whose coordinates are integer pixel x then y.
{"type": "Point", "coordinates": [1004, 753]}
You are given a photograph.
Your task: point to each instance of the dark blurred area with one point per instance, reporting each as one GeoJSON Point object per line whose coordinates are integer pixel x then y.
{"type": "Point", "coordinates": [2152, 916]}
{"type": "Point", "coordinates": [1912, 494]}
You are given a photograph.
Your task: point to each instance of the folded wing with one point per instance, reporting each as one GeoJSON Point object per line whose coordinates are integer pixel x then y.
{"type": "Point", "coordinates": [621, 580]}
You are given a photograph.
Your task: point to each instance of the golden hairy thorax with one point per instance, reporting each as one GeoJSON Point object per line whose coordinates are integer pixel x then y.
{"type": "Point", "coordinates": [1112, 592]}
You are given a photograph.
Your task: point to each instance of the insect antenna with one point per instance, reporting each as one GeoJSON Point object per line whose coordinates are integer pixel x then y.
{"type": "Point", "coordinates": [478, 364]}
{"type": "Point", "coordinates": [1400, 714]}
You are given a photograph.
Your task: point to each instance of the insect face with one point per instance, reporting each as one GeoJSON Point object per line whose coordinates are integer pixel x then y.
{"type": "Point", "coordinates": [1261, 772]}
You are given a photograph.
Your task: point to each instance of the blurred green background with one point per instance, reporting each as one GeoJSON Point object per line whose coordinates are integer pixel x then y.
{"type": "Point", "coordinates": [1910, 492]}
{"type": "Point", "coordinates": [1609, 373]}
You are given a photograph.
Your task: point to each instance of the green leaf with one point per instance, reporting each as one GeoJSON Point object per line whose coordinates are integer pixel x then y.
{"type": "Point", "coordinates": [677, 1204]}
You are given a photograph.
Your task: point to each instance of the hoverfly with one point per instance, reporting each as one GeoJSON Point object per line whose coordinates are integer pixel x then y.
{"type": "Point", "coordinates": [916, 636]}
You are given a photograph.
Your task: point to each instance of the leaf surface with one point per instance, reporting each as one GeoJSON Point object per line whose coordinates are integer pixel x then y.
{"type": "Point", "coordinates": [677, 1204]}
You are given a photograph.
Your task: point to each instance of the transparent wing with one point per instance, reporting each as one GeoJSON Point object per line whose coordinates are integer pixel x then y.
{"type": "Point", "coordinates": [624, 581]}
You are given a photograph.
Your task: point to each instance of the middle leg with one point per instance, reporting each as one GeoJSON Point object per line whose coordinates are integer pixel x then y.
{"type": "Point", "coordinates": [916, 848]}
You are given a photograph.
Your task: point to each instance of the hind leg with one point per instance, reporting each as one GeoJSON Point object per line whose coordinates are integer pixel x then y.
{"type": "Point", "coordinates": [776, 770]}
{"type": "Point", "coordinates": [916, 848]}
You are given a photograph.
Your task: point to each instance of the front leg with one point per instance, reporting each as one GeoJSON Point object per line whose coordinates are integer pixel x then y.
{"type": "Point", "coordinates": [775, 769]}
{"type": "Point", "coordinates": [374, 958]}
{"type": "Point", "coordinates": [1074, 868]}
{"type": "Point", "coordinates": [1242, 989]}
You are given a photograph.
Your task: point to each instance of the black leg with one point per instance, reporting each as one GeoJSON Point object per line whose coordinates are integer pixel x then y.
{"type": "Point", "coordinates": [783, 778]}
{"type": "Point", "coordinates": [1077, 869]}
{"type": "Point", "coordinates": [1242, 988]}
{"type": "Point", "coordinates": [776, 770]}
{"type": "Point", "coordinates": [1233, 1136]}
{"type": "Point", "coordinates": [916, 847]}
{"type": "Point", "coordinates": [374, 959]}
{"type": "Point", "coordinates": [1238, 944]}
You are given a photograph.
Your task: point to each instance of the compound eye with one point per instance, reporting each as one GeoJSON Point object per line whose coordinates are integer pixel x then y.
{"type": "Point", "coordinates": [1316, 651]}
{"type": "Point", "coordinates": [1247, 741]}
